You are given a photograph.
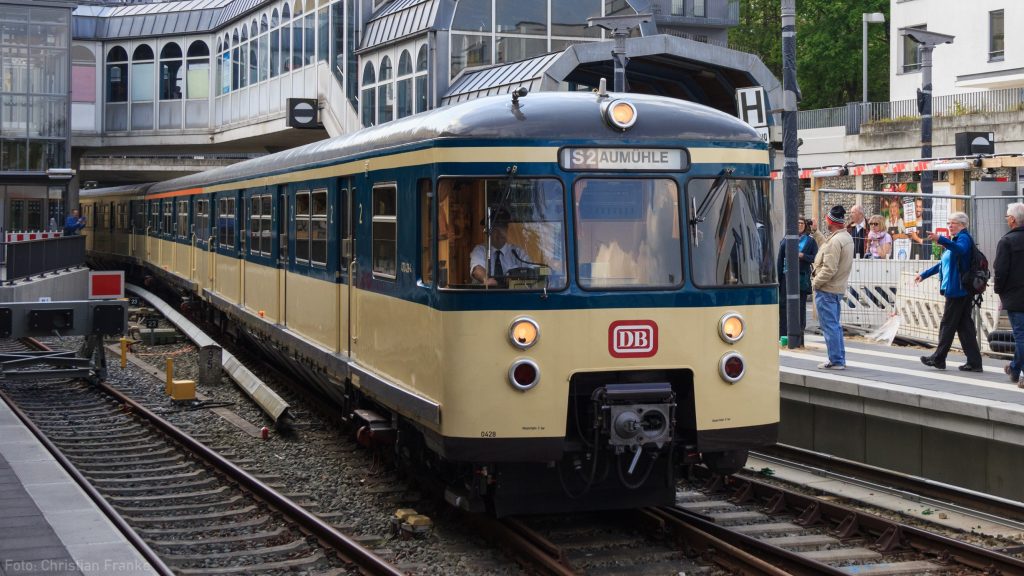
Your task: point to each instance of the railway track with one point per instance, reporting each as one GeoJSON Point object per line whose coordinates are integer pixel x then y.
{"type": "Point", "coordinates": [200, 513]}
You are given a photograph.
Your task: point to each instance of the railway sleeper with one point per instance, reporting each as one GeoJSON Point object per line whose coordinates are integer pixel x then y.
{"type": "Point", "coordinates": [132, 509]}
{"type": "Point", "coordinates": [248, 537]}
{"type": "Point", "coordinates": [289, 548]}
{"type": "Point", "coordinates": [252, 568]}
{"type": "Point", "coordinates": [208, 529]}
{"type": "Point", "coordinates": [230, 513]}
{"type": "Point", "coordinates": [175, 496]}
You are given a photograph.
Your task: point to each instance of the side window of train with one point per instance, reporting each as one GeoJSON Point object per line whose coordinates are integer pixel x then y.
{"type": "Point", "coordinates": [302, 225]}
{"type": "Point", "coordinates": [226, 222]}
{"type": "Point", "coordinates": [344, 230]}
{"type": "Point", "coordinates": [139, 216]}
{"type": "Point", "coordinates": [182, 231]}
{"type": "Point", "coordinates": [318, 228]}
{"type": "Point", "coordinates": [426, 195]}
{"type": "Point", "coordinates": [384, 235]}
{"type": "Point", "coordinates": [282, 223]}
{"type": "Point", "coordinates": [154, 216]}
{"type": "Point", "coordinates": [260, 222]}
{"type": "Point", "coordinates": [167, 226]}
{"type": "Point", "coordinates": [201, 222]}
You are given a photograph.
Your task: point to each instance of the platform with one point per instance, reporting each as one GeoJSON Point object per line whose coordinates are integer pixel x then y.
{"type": "Point", "coordinates": [889, 410]}
{"type": "Point", "coordinates": [48, 525]}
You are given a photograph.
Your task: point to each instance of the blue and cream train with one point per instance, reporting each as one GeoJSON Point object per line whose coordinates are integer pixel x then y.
{"type": "Point", "coordinates": [629, 333]}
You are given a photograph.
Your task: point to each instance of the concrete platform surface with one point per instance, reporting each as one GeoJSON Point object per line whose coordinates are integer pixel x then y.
{"type": "Point", "coordinates": [48, 524]}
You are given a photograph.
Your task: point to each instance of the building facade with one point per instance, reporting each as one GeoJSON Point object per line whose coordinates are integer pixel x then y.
{"type": "Point", "coordinates": [35, 42]}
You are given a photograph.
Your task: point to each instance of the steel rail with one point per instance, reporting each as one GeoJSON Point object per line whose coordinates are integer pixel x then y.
{"type": "Point", "coordinates": [368, 562]}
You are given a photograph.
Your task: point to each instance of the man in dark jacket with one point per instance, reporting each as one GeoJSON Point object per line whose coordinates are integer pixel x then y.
{"type": "Point", "coordinates": [858, 228]}
{"type": "Point", "coordinates": [1009, 285]}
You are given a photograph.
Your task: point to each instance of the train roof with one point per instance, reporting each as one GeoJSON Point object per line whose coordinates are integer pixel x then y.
{"type": "Point", "coordinates": [126, 190]}
{"type": "Point", "coordinates": [542, 116]}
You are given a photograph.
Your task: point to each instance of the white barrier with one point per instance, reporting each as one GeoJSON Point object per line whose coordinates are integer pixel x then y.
{"type": "Point", "coordinates": [881, 288]}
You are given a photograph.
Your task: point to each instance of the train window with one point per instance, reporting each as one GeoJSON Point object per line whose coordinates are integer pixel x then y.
{"type": "Point", "coordinates": [202, 219]}
{"type": "Point", "coordinates": [730, 232]}
{"type": "Point", "coordinates": [302, 226]}
{"type": "Point", "coordinates": [282, 226]}
{"type": "Point", "coordinates": [385, 231]}
{"type": "Point", "coordinates": [167, 222]}
{"type": "Point", "coordinates": [260, 216]}
{"type": "Point", "coordinates": [426, 233]}
{"type": "Point", "coordinates": [139, 217]}
{"type": "Point", "coordinates": [627, 233]}
{"type": "Point", "coordinates": [318, 228]}
{"type": "Point", "coordinates": [501, 233]}
{"type": "Point", "coordinates": [182, 215]}
{"type": "Point", "coordinates": [226, 222]}
{"type": "Point", "coordinates": [154, 216]}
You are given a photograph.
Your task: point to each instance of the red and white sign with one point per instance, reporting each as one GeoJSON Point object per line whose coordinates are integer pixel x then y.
{"type": "Point", "coordinates": [106, 285]}
{"type": "Point", "coordinates": [633, 338]}
{"type": "Point", "coordinates": [27, 236]}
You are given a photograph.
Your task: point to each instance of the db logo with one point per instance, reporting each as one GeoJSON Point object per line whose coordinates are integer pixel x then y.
{"type": "Point", "coordinates": [633, 339]}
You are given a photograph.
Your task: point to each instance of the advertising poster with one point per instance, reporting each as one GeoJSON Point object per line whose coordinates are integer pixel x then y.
{"type": "Point", "coordinates": [901, 249]}
{"type": "Point", "coordinates": [909, 216]}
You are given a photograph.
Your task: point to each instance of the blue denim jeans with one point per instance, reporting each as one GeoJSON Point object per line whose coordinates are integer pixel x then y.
{"type": "Point", "coordinates": [1017, 323]}
{"type": "Point", "coordinates": [827, 305]}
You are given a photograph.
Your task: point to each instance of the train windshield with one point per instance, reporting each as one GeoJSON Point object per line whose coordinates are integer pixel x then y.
{"type": "Point", "coordinates": [627, 233]}
{"type": "Point", "coordinates": [501, 234]}
{"type": "Point", "coordinates": [730, 232]}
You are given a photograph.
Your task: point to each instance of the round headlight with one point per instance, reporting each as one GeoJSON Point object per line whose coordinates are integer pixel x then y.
{"type": "Point", "coordinates": [523, 374]}
{"type": "Point", "coordinates": [620, 114]}
{"type": "Point", "coordinates": [732, 367]}
{"type": "Point", "coordinates": [731, 328]}
{"type": "Point", "coordinates": [523, 332]}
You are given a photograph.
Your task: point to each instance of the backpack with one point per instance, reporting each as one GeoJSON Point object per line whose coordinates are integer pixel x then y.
{"type": "Point", "coordinates": [975, 281]}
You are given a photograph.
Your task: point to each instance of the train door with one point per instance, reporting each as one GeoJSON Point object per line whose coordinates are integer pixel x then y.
{"type": "Point", "coordinates": [283, 221]}
{"type": "Point", "coordinates": [346, 260]}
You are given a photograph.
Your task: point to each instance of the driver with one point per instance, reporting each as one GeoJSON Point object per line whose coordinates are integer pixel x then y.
{"type": "Point", "coordinates": [504, 256]}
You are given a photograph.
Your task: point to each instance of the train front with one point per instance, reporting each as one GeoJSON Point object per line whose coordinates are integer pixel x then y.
{"type": "Point", "coordinates": [613, 321]}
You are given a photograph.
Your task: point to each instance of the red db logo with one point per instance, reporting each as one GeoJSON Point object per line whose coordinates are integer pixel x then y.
{"type": "Point", "coordinates": [633, 339]}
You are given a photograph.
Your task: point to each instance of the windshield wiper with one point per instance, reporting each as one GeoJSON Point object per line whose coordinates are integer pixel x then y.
{"type": "Point", "coordinates": [717, 186]}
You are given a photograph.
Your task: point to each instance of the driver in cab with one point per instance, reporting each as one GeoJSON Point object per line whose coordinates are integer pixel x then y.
{"type": "Point", "coordinates": [504, 256]}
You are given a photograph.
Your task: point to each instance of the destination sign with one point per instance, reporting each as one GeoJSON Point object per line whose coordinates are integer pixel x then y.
{"type": "Point", "coordinates": [623, 159]}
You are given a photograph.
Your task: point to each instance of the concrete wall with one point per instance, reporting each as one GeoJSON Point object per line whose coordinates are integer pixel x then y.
{"type": "Point", "coordinates": [57, 286]}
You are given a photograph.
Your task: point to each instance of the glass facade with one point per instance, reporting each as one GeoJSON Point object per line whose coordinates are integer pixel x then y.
{"type": "Point", "coordinates": [35, 71]}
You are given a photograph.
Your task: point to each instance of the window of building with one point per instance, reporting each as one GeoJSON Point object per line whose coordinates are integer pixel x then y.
{"type": "Point", "coordinates": [296, 61]}
{"type": "Point", "coordinates": [116, 113]}
{"type": "Point", "coordinates": [260, 221]}
{"type": "Point", "coordinates": [264, 49]}
{"type": "Point", "coordinates": [83, 75]}
{"type": "Point", "coordinates": [909, 52]}
{"type": "Point", "coordinates": [699, 10]}
{"type": "Point", "coordinates": [323, 34]}
{"type": "Point", "coordinates": [142, 88]}
{"type": "Point", "coordinates": [197, 85]}
{"type": "Point", "coordinates": [385, 231]}
{"type": "Point", "coordinates": [226, 222]}
{"type": "Point", "coordinates": [995, 36]}
{"type": "Point", "coordinates": [243, 58]}
{"type": "Point", "coordinates": [275, 45]}
{"type": "Point", "coordinates": [404, 101]}
{"type": "Point", "coordinates": [385, 93]}
{"type": "Point", "coordinates": [521, 17]}
{"type": "Point", "coordinates": [182, 230]}
{"type": "Point", "coordinates": [678, 7]}
{"type": "Point", "coordinates": [171, 79]}
{"type": "Point", "coordinates": [368, 101]}
{"type": "Point", "coordinates": [234, 60]}
{"type": "Point", "coordinates": [338, 29]}
{"type": "Point", "coordinates": [254, 54]}
{"type": "Point", "coordinates": [421, 79]}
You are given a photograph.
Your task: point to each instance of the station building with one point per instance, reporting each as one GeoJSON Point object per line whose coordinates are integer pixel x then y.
{"type": "Point", "coordinates": [107, 92]}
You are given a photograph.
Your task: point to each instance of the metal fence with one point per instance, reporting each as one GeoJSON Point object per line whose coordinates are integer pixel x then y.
{"type": "Point", "coordinates": [1004, 100]}
{"type": "Point", "coordinates": [21, 260]}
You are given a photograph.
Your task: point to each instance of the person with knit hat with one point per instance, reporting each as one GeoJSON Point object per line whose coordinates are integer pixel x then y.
{"type": "Point", "coordinates": [831, 271]}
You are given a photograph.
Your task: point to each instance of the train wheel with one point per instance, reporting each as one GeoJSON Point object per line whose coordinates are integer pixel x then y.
{"type": "Point", "coordinates": [725, 463]}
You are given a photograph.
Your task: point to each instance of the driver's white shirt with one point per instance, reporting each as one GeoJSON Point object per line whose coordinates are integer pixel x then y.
{"type": "Point", "coordinates": [508, 260]}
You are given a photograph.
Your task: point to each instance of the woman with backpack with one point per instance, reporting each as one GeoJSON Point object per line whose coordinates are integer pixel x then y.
{"type": "Point", "coordinates": [957, 317]}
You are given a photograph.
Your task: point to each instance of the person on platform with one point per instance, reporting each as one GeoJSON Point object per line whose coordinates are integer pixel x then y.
{"type": "Point", "coordinates": [504, 257]}
{"type": "Point", "coordinates": [858, 229]}
{"type": "Point", "coordinates": [830, 274]}
{"type": "Point", "coordinates": [73, 223]}
{"type": "Point", "coordinates": [957, 317]}
{"type": "Point", "coordinates": [879, 242]}
{"type": "Point", "coordinates": [1009, 285]}
{"type": "Point", "coordinates": [807, 249]}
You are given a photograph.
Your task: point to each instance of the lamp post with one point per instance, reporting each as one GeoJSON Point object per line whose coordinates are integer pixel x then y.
{"type": "Point", "coordinates": [868, 18]}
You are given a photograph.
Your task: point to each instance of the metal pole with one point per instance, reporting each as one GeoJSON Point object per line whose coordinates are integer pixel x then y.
{"type": "Point", "coordinates": [864, 57]}
{"type": "Point", "coordinates": [790, 173]}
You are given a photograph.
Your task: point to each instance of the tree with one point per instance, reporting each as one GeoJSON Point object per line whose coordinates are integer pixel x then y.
{"type": "Point", "coordinates": [828, 41]}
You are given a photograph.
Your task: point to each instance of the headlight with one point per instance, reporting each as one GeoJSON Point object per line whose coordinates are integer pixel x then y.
{"type": "Point", "coordinates": [523, 333]}
{"type": "Point", "coordinates": [732, 367]}
{"type": "Point", "coordinates": [523, 374]}
{"type": "Point", "coordinates": [620, 114]}
{"type": "Point", "coordinates": [731, 328]}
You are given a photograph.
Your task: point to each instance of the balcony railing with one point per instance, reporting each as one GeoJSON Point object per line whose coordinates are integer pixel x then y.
{"type": "Point", "coordinates": [1004, 100]}
{"type": "Point", "coordinates": [21, 260]}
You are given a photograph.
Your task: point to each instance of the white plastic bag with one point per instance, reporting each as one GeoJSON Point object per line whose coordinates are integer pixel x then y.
{"type": "Point", "coordinates": [887, 331]}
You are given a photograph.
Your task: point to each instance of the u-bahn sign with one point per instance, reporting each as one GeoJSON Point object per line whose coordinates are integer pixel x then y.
{"type": "Point", "coordinates": [302, 113]}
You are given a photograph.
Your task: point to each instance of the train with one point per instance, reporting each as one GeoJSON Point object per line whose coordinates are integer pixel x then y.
{"type": "Point", "coordinates": [557, 301]}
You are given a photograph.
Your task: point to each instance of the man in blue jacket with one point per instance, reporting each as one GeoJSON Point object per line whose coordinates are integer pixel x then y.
{"type": "Point", "coordinates": [957, 317]}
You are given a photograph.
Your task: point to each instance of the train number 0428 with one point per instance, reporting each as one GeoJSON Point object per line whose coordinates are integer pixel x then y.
{"type": "Point", "coordinates": [488, 434]}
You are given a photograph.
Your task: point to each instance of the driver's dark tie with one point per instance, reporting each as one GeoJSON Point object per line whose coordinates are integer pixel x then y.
{"type": "Point", "coordinates": [499, 270]}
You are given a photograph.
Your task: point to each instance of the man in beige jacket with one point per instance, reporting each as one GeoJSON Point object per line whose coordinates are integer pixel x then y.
{"type": "Point", "coordinates": [831, 271]}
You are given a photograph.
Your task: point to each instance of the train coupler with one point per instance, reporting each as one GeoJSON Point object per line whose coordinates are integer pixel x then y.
{"type": "Point", "coordinates": [372, 429]}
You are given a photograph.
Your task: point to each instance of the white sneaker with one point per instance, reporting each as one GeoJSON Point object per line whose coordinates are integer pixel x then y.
{"type": "Point", "coordinates": [831, 366]}
{"type": "Point", "coordinates": [1020, 381]}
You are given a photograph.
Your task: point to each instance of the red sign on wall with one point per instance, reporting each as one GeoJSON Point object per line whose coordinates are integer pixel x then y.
{"type": "Point", "coordinates": [633, 338]}
{"type": "Point", "coordinates": [106, 285]}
